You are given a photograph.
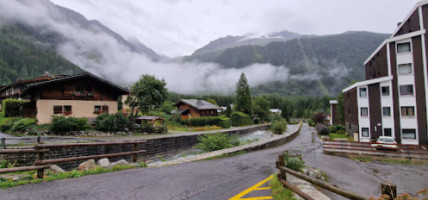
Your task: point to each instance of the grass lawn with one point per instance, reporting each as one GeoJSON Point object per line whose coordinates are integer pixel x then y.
{"type": "Point", "coordinates": [341, 136]}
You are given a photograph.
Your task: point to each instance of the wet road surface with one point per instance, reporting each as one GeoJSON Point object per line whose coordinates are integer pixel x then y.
{"type": "Point", "coordinates": [222, 179]}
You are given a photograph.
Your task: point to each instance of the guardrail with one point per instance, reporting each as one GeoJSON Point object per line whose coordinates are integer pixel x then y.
{"type": "Point", "coordinates": [401, 150]}
{"type": "Point", "coordinates": [386, 188]}
{"type": "Point", "coordinates": [41, 163]}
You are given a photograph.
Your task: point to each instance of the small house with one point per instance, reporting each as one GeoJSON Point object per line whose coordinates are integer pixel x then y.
{"type": "Point", "coordinates": [189, 108]}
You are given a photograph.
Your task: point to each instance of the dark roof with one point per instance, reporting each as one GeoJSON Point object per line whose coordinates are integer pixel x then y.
{"type": "Point", "coordinates": [198, 104]}
{"type": "Point", "coordinates": [82, 75]}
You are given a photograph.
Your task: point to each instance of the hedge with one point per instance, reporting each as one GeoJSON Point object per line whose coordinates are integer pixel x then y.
{"type": "Point", "coordinates": [221, 121]}
{"type": "Point", "coordinates": [240, 119]}
{"type": "Point", "coordinates": [12, 108]}
{"type": "Point", "coordinates": [115, 122]}
{"type": "Point", "coordinates": [62, 125]}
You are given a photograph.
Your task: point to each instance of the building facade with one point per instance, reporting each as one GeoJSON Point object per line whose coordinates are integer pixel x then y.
{"type": "Point", "coordinates": [82, 95]}
{"type": "Point", "coordinates": [392, 101]}
{"type": "Point", "coordinates": [189, 108]}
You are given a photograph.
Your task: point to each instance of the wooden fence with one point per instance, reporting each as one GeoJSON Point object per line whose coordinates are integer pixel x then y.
{"type": "Point", "coordinates": [41, 163]}
{"type": "Point", "coordinates": [387, 188]}
{"type": "Point", "coordinates": [407, 151]}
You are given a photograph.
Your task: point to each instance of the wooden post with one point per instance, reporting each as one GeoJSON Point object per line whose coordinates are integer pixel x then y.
{"type": "Point", "coordinates": [3, 143]}
{"type": "Point", "coordinates": [281, 163]}
{"type": "Point", "coordinates": [40, 172]}
{"type": "Point", "coordinates": [389, 189]}
{"type": "Point", "coordinates": [134, 157]}
{"type": "Point", "coordinates": [39, 138]}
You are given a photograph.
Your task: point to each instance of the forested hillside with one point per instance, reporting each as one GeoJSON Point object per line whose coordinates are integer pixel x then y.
{"type": "Point", "coordinates": [22, 57]}
{"type": "Point", "coordinates": [317, 65]}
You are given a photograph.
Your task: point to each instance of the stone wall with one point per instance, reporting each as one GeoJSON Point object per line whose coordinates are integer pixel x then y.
{"type": "Point", "coordinates": [157, 147]}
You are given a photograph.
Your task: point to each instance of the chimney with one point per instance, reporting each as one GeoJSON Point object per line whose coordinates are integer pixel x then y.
{"type": "Point", "coordinates": [199, 102]}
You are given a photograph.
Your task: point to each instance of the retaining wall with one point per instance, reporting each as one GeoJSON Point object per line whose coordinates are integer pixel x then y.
{"type": "Point", "coordinates": [156, 147]}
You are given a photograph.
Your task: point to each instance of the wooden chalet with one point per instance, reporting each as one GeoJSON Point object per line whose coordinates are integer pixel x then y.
{"type": "Point", "coordinates": [82, 95]}
{"type": "Point", "coordinates": [196, 108]}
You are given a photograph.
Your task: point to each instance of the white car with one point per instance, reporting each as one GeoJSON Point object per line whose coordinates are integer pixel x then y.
{"type": "Point", "coordinates": [385, 142]}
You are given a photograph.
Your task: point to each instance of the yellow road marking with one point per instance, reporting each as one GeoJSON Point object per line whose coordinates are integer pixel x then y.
{"type": "Point", "coordinates": [254, 187]}
{"type": "Point", "coordinates": [263, 188]}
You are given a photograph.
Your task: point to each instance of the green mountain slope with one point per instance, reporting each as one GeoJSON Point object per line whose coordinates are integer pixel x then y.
{"type": "Point", "coordinates": [22, 57]}
{"type": "Point", "coordinates": [317, 65]}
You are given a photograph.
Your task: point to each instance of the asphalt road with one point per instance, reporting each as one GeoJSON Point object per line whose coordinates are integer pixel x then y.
{"type": "Point", "coordinates": [221, 179]}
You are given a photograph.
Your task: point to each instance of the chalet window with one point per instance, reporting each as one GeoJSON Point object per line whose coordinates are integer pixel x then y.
{"type": "Point", "coordinates": [67, 110]}
{"type": "Point", "coordinates": [407, 111]}
{"type": "Point", "coordinates": [408, 133]}
{"type": "Point", "coordinates": [364, 112]}
{"type": "Point", "coordinates": [387, 132]}
{"type": "Point", "coordinates": [405, 68]}
{"type": "Point", "coordinates": [386, 111]}
{"type": "Point", "coordinates": [385, 91]}
{"type": "Point", "coordinates": [363, 92]}
{"type": "Point", "coordinates": [57, 109]}
{"type": "Point", "coordinates": [105, 109]}
{"type": "Point", "coordinates": [97, 109]}
{"type": "Point", "coordinates": [365, 132]}
{"type": "Point", "coordinates": [403, 47]}
{"type": "Point", "coordinates": [406, 89]}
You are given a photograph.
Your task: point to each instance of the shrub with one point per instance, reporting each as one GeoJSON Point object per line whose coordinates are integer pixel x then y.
{"type": "Point", "coordinates": [340, 132]}
{"type": "Point", "coordinates": [114, 122]}
{"type": "Point", "coordinates": [23, 124]}
{"type": "Point", "coordinates": [336, 128]}
{"type": "Point", "coordinates": [240, 119]}
{"type": "Point", "coordinates": [62, 125]}
{"type": "Point", "coordinates": [8, 124]}
{"type": "Point", "coordinates": [294, 122]}
{"type": "Point", "coordinates": [221, 121]}
{"type": "Point", "coordinates": [12, 108]}
{"type": "Point", "coordinates": [311, 122]}
{"type": "Point", "coordinates": [319, 117]}
{"type": "Point", "coordinates": [294, 163]}
{"type": "Point", "coordinates": [217, 141]}
{"type": "Point", "coordinates": [149, 128]}
{"type": "Point", "coordinates": [279, 126]}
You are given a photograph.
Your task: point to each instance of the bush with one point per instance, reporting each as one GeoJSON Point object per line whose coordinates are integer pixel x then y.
{"type": "Point", "coordinates": [311, 122]}
{"type": "Point", "coordinates": [240, 119]}
{"type": "Point", "coordinates": [322, 129]}
{"type": "Point", "coordinates": [149, 128]}
{"type": "Point", "coordinates": [340, 132]}
{"type": "Point", "coordinates": [8, 124]}
{"type": "Point", "coordinates": [294, 122]}
{"type": "Point", "coordinates": [336, 128]}
{"type": "Point", "coordinates": [62, 125]}
{"type": "Point", "coordinates": [279, 126]}
{"type": "Point", "coordinates": [221, 121]}
{"type": "Point", "coordinates": [12, 108]}
{"type": "Point", "coordinates": [294, 163]}
{"type": "Point", "coordinates": [23, 124]}
{"type": "Point", "coordinates": [217, 141]}
{"type": "Point", "coordinates": [114, 122]}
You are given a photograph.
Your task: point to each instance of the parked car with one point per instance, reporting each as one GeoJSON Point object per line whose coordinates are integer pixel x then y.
{"type": "Point", "coordinates": [385, 142]}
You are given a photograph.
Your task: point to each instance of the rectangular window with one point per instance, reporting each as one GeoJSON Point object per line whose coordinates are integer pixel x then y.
{"type": "Point", "coordinates": [105, 109]}
{"type": "Point", "coordinates": [97, 109]}
{"type": "Point", "coordinates": [407, 111]}
{"type": "Point", "coordinates": [405, 68]}
{"type": "Point", "coordinates": [403, 47]}
{"type": "Point", "coordinates": [349, 110]}
{"type": "Point", "coordinates": [57, 109]}
{"type": "Point", "coordinates": [67, 110]}
{"type": "Point", "coordinates": [363, 92]}
{"type": "Point", "coordinates": [387, 132]}
{"type": "Point", "coordinates": [365, 132]}
{"type": "Point", "coordinates": [386, 111]}
{"type": "Point", "coordinates": [364, 112]}
{"type": "Point", "coordinates": [408, 133]}
{"type": "Point", "coordinates": [406, 89]}
{"type": "Point", "coordinates": [385, 91]}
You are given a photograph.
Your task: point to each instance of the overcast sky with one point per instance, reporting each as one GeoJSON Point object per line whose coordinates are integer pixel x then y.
{"type": "Point", "coordinates": [179, 27]}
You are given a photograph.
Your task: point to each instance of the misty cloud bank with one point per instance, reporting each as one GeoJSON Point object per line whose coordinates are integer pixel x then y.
{"type": "Point", "coordinates": [101, 54]}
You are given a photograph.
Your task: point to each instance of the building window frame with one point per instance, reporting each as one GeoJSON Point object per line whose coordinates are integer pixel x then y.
{"type": "Point", "coordinates": [405, 65]}
{"type": "Point", "coordinates": [386, 111]}
{"type": "Point", "coordinates": [364, 111]}
{"type": "Point", "coordinates": [407, 111]}
{"type": "Point", "coordinates": [389, 130]}
{"type": "Point", "coordinates": [410, 91]}
{"type": "Point", "coordinates": [363, 92]}
{"type": "Point", "coordinates": [384, 90]}
{"type": "Point", "coordinates": [408, 134]}
{"type": "Point", "coordinates": [401, 44]}
{"type": "Point", "coordinates": [57, 109]}
{"type": "Point", "coordinates": [365, 132]}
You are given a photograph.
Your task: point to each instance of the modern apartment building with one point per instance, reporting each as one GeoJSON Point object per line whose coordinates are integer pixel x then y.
{"type": "Point", "coordinates": [392, 101]}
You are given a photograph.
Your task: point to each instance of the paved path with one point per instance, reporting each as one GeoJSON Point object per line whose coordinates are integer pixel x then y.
{"type": "Point", "coordinates": [222, 179]}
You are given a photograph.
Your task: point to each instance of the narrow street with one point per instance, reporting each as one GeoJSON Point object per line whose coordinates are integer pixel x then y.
{"type": "Point", "coordinates": [222, 179]}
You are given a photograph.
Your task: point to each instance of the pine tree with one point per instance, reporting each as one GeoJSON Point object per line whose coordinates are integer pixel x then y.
{"type": "Point", "coordinates": [244, 101]}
